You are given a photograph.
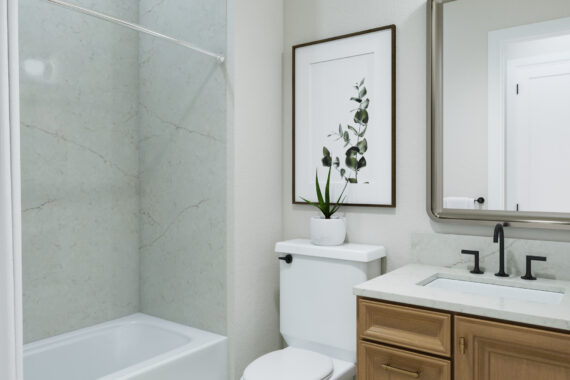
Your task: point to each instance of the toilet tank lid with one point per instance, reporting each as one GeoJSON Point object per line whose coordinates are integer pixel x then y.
{"type": "Point", "coordinates": [348, 251]}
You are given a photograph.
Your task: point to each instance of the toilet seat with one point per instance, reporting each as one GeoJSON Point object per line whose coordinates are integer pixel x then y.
{"type": "Point", "coordinates": [290, 364]}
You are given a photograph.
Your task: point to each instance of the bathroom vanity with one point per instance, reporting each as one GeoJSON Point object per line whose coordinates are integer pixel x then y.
{"type": "Point", "coordinates": [432, 323]}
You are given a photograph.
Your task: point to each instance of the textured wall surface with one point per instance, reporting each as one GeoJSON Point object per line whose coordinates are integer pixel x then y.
{"type": "Point", "coordinates": [255, 43]}
{"type": "Point", "coordinates": [183, 165]}
{"type": "Point", "coordinates": [445, 250]}
{"type": "Point", "coordinates": [123, 166]}
{"type": "Point", "coordinates": [79, 168]}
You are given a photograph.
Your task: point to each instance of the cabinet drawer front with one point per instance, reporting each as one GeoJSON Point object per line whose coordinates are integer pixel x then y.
{"type": "Point", "coordinates": [407, 327]}
{"type": "Point", "coordinates": [377, 362]}
{"type": "Point", "coordinates": [487, 350]}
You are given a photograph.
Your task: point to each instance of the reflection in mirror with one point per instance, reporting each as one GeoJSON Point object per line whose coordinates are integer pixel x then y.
{"type": "Point", "coordinates": [506, 113]}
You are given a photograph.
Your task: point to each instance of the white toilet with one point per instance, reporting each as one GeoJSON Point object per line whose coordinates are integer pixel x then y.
{"type": "Point", "coordinates": [318, 311]}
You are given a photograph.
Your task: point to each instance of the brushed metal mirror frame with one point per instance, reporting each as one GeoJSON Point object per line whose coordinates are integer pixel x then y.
{"type": "Point", "coordinates": [434, 160]}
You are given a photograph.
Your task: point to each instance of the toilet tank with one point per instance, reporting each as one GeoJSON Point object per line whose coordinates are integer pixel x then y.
{"type": "Point", "coordinates": [317, 307]}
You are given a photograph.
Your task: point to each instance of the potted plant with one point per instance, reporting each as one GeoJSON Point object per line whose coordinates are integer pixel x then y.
{"type": "Point", "coordinates": [327, 229]}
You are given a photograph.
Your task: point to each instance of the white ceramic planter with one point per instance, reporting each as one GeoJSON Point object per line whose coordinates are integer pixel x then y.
{"type": "Point", "coordinates": [328, 231]}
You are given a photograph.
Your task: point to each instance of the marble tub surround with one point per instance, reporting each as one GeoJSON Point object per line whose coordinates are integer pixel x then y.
{"type": "Point", "coordinates": [445, 251]}
{"type": "Point", "coordinates": [79, 137]}
{"type": "Point", "coordinates": [405, 285]}
{"type": "Point", "coordinates": [123, 166]}
{"type": "Point", "coordinates": [182, 113]}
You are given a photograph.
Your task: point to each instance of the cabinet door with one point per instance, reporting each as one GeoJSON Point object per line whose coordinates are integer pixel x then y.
{"type": "Point", "coordinates": [487, 350]}
{"type": "Point", "coordinates": [377, 362]}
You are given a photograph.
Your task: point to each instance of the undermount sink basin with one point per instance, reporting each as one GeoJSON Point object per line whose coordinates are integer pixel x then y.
{"type": "Point", "coordinates": [494, 290]}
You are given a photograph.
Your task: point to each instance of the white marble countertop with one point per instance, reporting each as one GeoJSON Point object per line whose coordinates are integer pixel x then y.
{"type": "Point", "coordinates": [405, 285]}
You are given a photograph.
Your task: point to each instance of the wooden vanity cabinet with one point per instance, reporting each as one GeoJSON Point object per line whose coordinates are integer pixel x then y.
{"type": "Point", "coordinates": [486, 350]}
{"type": "Point", "coordinates": [379, 362]}
{"type": "Point", "coordinates": [399, 342]}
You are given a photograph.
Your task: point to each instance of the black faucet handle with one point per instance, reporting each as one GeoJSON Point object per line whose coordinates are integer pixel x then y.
{"type": "Point", "coordinates": [476, 269]}
{"type": "Point", "coordinates": [529, 260]}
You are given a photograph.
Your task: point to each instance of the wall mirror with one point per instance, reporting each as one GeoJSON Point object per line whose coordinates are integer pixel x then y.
{"type": "Point", "coordinates": [499, 111]}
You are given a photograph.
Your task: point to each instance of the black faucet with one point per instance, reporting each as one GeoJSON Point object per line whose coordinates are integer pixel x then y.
{"type": "Point", "coordinates": [529, 260]}
{"type": "Point", "coordinates": [476, 269]}
{"type": "Point", "coordinates": [499, 236]}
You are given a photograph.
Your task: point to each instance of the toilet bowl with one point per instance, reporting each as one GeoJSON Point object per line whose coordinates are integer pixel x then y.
{"type": "Point", "coordinates": [317, 311]}
{"type": "Point", "coordinates": [298, 364]}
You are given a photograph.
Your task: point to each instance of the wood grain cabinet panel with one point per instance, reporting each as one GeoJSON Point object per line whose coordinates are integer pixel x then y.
{"type": "Point", "coordinates": [486, 350]}
{"type": "Point", "coordinates": [377, 362]}
{"type": "Point", "coordinates": [407, 327]}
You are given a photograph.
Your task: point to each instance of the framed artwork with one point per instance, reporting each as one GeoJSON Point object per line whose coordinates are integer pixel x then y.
{"type": "Point", "coordinates": [344, 105]}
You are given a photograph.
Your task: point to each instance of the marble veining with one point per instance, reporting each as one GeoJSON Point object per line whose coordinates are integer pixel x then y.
{"type": "Point", "coordinates": [79, 137]}
{"type": "Point", "coordinates": [183, 165]}
{"type": "Point", "coordinates": [123, 166]}
{"type": "Point", "coordinates": [445, 250]}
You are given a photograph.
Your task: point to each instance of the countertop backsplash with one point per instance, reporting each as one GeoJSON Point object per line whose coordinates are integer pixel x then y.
{"type": "Point", "coordinates": [445, 250]}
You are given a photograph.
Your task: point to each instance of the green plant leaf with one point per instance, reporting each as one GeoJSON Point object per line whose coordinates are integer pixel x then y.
{"type": "Point", "coordinates": [311, 203]}
{"type": "Point", "coordinates": [319, 194]}
{"type": "Point", "coordinates": [327, 191]}
{"type": "Point", "coordinates": [340, 129]}
{"type": "Point", "coordinates": [361, 134]}
{"type": "Point", "coordinates": [339, 201]}
{"type": "Point", "coordinates": [362, 146]}
{"type": "Point", "coordinates": [361, 82]}
{"type": "Point", "coordinates": [336, 162]}
{"type": "Point", "coordinates": [358, 100]}
{"type": "Point", "coordinates": [361, 117]}
{"type": "Point", "coordinates": [346, 138]}
{"type": "Point", "coordinates": [352, 151]}
{"type": "Point", "coordinates": [361, 163]}
{"type": "Point", "coordinates": [351, 162]}
{"type": "Point", "coordinates": [352, 180]}
{"type": "Point", "coordinates": [326, 151]}
{"type": "Point", "coordinates": [364, 104]}
{"type": "Point", "coordinates": [327, 161]}
{"type": "Point", "coordinates": [353, 129]}
{"type": "Point", "coordinates": [362, 92]}
{"type": "Point", "coordinates": [342, 172]}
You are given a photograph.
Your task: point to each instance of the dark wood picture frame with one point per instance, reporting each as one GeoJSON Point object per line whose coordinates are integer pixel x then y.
{"type": "Point", "coordinates": [392, 28]}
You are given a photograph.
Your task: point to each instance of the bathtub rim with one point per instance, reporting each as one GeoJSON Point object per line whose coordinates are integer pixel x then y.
{"type": "Point", "coordinates": [199, 340]}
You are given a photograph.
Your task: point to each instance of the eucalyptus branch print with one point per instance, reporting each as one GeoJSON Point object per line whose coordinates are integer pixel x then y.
{"type": "Point", "coordinates": [353, 137]}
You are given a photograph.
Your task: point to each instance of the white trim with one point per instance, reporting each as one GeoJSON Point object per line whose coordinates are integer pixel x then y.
{"type": "Point", "coordinates": [16, 181]}
{"type": "Point", "coordinates": [10, 241]}
{"type": "Point", "coordinates": [498, 41]}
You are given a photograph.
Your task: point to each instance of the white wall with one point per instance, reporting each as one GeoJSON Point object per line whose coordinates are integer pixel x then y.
{"type": "Point", "coordinates": [255, 43]}
{"type": "Point", "coordinates": [309, 20]}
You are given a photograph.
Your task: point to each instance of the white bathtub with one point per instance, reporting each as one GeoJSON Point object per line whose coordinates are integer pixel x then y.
{"type": "Point", "coordinates": [137, 347]}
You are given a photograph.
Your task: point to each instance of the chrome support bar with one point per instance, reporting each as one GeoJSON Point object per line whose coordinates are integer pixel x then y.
{"type": "Point", "coordinates": [136, 27]}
